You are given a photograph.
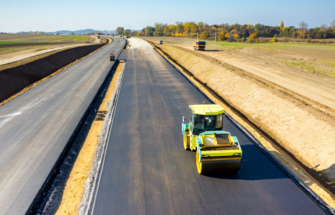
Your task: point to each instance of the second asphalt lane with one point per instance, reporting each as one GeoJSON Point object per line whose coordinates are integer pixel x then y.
{"type": "Point", "coordinates": [35, 127]}
{"type": "Point", "coordinates": [147, 171]}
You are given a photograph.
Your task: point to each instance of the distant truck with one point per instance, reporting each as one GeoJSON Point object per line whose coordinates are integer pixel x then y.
{"type": "Point", "coordinates": [199, 45]}
{"type": "Point", "coordinates": [98, 37]}
{"type": "Point", "coordinates": [161, 42]}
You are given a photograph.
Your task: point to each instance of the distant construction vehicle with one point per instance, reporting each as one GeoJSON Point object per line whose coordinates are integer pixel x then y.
{"type": "Point", "coordinates": [199, 45]}
{"type": "Point", "coordinates": [215, 149]}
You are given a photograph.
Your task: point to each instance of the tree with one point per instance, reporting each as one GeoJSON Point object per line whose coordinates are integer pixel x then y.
{"type": "Point", "coordinates": [159, 27]}
{"type": "Point", "coordinates": [221, 36]}
{"type": "Point", "coordinates": [231, 38]}
{"type": "Point", "coordinates": [333, 25]}
{"type": "Point", "coordinates": [201, 25]}
{"type": "Point", "coordinates": [127, 32]}
{"type": "Point", "coordinates": [204, 35]}
{"type": "Point", "coordinates": [303, 26]}
{"type": "Point", "coordinates": [119, 30]}
{"type": "Point", "coordinates": [253, 36]}
{"type": "Point", "coordinates": [72, 33]}
{"type": "Point", "coordinates": [273, 40]}
{"type": "Point", "coordinates": [149, 31]}
{"type": "Point", "coordinates": [281, 25]}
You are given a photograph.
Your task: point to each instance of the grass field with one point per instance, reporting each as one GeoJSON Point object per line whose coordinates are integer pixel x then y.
{"type": "Point", "coordinates": [12, 45]}
{"type": "Point", "coordinates": [43, 38]}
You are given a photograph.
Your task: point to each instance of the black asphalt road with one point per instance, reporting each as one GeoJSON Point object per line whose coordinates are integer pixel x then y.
{"type": "Point", "coordinates": [35, 127]}
{"type": "Point", "coordinates": [147, 171]}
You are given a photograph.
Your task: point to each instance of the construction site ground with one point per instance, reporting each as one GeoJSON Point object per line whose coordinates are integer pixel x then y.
{"type": "Point", "coordinates": [306, 69]}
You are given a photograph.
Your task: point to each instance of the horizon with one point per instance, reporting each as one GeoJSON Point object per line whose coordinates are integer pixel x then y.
{"type": "Point", "coordinates": [36, 15]}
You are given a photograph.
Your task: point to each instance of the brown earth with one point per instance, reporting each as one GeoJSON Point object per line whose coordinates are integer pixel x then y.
{"type": "Point", "coordinates": [16, 76]}
{"type": "Point", "coordinates": [286, 125]}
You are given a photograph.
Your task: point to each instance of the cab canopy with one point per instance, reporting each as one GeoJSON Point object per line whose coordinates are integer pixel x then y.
{"type": "Point", "coordinates": [207, 109]}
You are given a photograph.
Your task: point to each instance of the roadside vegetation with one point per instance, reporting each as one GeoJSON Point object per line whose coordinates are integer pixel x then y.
{"type": "Point", "coordinates": [258, 33]}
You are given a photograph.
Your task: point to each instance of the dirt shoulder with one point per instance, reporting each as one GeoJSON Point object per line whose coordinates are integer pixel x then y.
{"type": "Point", "coordinates": [284, 125]}
{"type": "Point", "coordinates": [75, 185]}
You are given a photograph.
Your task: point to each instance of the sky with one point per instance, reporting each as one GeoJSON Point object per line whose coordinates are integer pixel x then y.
{"type": "Point", "coordinates": [50, 16]}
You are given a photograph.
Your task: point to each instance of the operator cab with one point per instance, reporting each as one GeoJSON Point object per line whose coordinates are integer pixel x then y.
{"type": "Point", "coordinates": [206, 118]}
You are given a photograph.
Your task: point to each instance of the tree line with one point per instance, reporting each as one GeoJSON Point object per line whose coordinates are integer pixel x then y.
{"type": "Point", "coordinates": [236, 32]}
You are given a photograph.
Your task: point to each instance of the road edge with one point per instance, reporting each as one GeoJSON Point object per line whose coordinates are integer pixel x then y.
{"type": "Point", "coordinates": [92, 183]}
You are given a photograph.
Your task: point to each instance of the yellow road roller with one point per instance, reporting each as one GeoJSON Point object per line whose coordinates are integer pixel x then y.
{"type": "Point", "coordinates": [215, 149]}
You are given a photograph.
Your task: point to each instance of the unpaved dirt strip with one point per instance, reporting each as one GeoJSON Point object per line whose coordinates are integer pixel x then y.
{"type": "Point", "coordinates": [49, 76]}
{"type": "Point", "coordinates": [278, 153]}
{"type": "Point", "coordinates": [74, 188]}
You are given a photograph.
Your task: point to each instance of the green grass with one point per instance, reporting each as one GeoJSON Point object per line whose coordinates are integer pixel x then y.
{"type": "Point", "coordinates": [11, 50]}
{"type": "Point", "coordinates": [312, 69]}
{"type": "Point", "coordinates": [80, 38]}
{"type": "Point", "coordinates": [12, 42]}
{"type": "Point", "coordinates": [48, 38]}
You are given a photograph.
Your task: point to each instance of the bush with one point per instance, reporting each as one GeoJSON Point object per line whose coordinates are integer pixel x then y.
{"type": "Point", "coordinates": [276, 35]}
{"type": "Point", "coordinates": [253, 36]}
{"type": "Point", "coordinates": [227, 35]}
{"type": "Point", "coordinates": [221, 37]}
{"type": "Point", "coordinates": [274, 39]}
{"type": "Point", "coordinates": [204, 35]}
{"type": "Point", "coordinates": [242, 39]}
{"type": "Point", "coordinates": [231, 38]}
{"type": "Point", "coordinates": [250, 40]}
{"type": "Point", "coordinates": [257, 41]}
{"type": "Point", "coordinates": [308, 39]}
{"type": "Point", "coordinates": [237, 37]}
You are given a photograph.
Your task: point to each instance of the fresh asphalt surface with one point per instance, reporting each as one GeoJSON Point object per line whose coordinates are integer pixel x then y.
{"type": "Point", "coordinates": [35, 127]}
{"type": "Point", "coordinates": [147, 171]}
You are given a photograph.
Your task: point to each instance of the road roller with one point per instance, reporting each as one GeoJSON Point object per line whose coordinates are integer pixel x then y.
{"type": "Point", "coordinates": [216, 150]}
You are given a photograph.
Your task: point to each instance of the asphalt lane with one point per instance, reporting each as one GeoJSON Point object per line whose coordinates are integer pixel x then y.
{"type": "Point", "coordinates": [147, 171]}
{"type": "Point", "coordinates": [35, 127]}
